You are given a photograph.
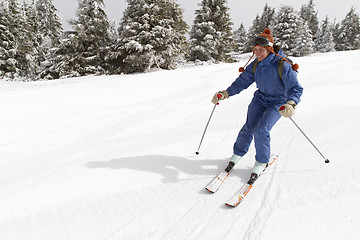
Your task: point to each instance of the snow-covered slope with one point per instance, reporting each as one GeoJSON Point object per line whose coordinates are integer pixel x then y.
{"type": "Point", "coordinates": [113, 157]}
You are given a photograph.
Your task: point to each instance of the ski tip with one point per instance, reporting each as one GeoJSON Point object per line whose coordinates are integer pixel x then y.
{"type": "Point", "coordinates": [229, 205]}
{"type": "Point", "coordinates": [210, 190]}
{"type": "Point", "coordinates": [273, 158]}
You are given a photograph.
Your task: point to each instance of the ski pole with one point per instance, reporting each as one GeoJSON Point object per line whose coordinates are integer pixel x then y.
{"type": "Point", "coordinates": [197, 152]}
{"type": "Point", "coordinates": [326, 160]}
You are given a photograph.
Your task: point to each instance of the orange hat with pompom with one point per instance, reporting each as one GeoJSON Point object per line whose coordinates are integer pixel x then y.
{"type": "Point", "coordinates": [267, 34]}
{"type": "Point", "coordinates": [270, 46]}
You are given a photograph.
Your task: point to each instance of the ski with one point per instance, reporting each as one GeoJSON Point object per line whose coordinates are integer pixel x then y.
{"type": "Point", "coordinates": [215, 184]}
{"type": "Point", "coordinates": [245, 189]}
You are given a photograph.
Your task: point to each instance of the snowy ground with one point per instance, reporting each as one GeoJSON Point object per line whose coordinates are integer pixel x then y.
{"type": "Point", "coordinates": [113, 157]}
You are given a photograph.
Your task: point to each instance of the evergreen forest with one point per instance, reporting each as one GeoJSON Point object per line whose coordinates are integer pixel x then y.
{"type": "Point", "coordinates": [152, 34]}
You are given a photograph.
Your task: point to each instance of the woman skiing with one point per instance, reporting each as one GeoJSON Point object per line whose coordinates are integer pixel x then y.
{"type": "Point", "coordinates": [277, 95]}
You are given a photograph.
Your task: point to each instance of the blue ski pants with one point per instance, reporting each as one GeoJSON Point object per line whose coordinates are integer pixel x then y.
{"type": "Point", "coordinates": [261, 117]}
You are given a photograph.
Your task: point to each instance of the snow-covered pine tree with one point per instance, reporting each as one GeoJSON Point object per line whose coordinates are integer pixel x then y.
{"type": "Point", "coordinates": [304, 42]}
{"type": "Point", "coordinates": [349, 32]}
{"type": "Point", "coordinates": [83, 51]}
{"type": "Point", "coordinates": [287, 30]}
{"type": "Point", "coordinates": [91, 29]}
{"type": "Point", "coordinates": [60, 58]}
{"type": "Point", "coordinates": [335, 30]}
{"type": "Point", "coordinates": [151, 34]}
{"type": "Point", "coordinates": [324, 38]}
{"type": "Point", "coordinates": [357, 42]}
{"type": "Point", "coordinates": [254, 31]}
{"type": "Point", "coordinates": [49, 30]}
{"type": "Point", "coordinates": [309, 14]}
{"type": "Point", "coordinates": [168, 35]}
{"type": "Point", "coordinates": [240, 39]}
{"type": "Point", "coordinates": [133, 45]}
{"type": "Point", "coordinates": [210, 36]}
{"type": "Point", "coordinates": [8, 43]}
{"type": "Point", "coordinates": [18, 47]}
{"type": "Point", "coordinates": [267, 18]}
{"type": "Point", "coordinates": [30, 41]}
{"type": "Point", "coordinates": [112, 64]}
{"type": "Point", "coordinates": [50, 26]}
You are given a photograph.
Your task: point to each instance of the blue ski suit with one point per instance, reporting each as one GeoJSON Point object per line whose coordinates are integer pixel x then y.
{"type": "Point", "coordinates": [263, 112]}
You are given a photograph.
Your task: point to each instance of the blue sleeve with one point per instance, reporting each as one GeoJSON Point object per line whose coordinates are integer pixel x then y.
{"type": "Point", "coordinates": [244, 80]}
{"type": "Point", "coordinates": [291, 83]}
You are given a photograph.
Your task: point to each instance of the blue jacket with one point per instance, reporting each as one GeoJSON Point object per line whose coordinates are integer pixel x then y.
{"type": "Point", "coordinates": [270, 86]}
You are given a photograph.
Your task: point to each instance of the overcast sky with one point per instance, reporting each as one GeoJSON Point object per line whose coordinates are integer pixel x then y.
{"type": "Point", "coordinates": [240, 11]}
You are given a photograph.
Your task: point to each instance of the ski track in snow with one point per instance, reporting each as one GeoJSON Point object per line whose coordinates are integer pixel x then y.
{"type": "Point", "coordinates": [112, 158]}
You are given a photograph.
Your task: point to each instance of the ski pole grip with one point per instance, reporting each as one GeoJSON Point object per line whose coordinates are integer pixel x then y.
{"type": "Point", "coordinates": [218, 96]}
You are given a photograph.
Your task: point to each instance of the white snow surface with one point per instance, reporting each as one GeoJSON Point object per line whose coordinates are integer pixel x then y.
{"type": "Point", "coordinates": [113, 157]}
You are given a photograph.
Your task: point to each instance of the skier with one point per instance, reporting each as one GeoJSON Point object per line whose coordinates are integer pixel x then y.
{"type": "Point", "coordinates": [277, 95]}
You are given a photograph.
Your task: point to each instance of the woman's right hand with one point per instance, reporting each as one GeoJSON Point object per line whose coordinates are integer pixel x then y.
{"type": "Point", "coordinates": [219, 96]}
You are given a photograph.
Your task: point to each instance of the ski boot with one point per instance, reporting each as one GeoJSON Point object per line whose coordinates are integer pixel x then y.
{"type": "Point", "coordinates": [233, 160]}
{"type": "Point", "coordinates": [257, 171]}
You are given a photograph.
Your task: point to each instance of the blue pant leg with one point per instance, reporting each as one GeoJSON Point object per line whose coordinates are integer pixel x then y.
{"type": "Point", "coordinates": [245, 136]}
{"type": "Point", "coordinates": [262, 134]}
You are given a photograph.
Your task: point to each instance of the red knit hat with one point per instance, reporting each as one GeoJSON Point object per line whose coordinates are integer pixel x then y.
{"type": "Point", "coordinates": [267, 34]}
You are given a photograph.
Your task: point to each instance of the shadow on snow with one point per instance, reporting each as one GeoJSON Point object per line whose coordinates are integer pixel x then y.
{"type": "Point", "coordinates": [169, 167]}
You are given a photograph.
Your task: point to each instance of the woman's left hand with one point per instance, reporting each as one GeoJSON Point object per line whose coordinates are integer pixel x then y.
{"type": "Point", "coordinates": [288, 109]}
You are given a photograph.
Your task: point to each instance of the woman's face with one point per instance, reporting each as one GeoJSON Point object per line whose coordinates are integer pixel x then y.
{"type": "Point", "coordinates": [261, 53]}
